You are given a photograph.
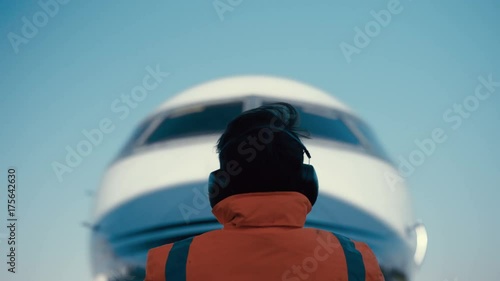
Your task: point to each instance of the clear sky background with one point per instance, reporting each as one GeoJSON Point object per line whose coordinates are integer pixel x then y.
{"type": "Point", "coordinates": [426, 59]}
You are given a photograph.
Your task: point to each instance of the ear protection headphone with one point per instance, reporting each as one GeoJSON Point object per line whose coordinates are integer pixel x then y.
{"type": "Point", "coordinates": [305, 181]}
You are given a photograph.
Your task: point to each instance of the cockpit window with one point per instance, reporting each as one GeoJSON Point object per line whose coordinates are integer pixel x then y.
{"type": "Point", "coordinates": [136, 135]}
{"type": "Point", "coordinates": [325, 123]}
{"type": "Point", "coordinates": [190, 121]}
{"type": "Point", "coordinates": [375, 146]}
{"type": "Point", "coordinates": [195, 120]}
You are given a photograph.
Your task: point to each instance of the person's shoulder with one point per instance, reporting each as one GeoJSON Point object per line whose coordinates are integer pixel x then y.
{"type": "Point", "coordinates": [155, 261]}
{"type": "Point", "coordinates": [158, 255]}
{"type": "Point", "coordinates": [370, 262]}
{"type": "Point", "coordinates": [342, 240]}
{"type": "Point", "coordinates": [361, 247]}
{"type": "Point", "coordinates": [349, 242]}
{"type": "Point", "coordinates": [165, 248]}
{"type": "Point", "coordinates": [372, 266]}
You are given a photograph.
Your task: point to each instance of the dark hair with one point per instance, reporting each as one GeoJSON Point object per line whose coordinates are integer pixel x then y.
{"type": "Point", "coordinates": [278, 151]}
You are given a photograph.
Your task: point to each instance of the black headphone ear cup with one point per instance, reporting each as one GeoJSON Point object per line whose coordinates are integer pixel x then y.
{"type": "Point", "coordinates": [309, 182]}
{"type": "Point", "coordinates": [221, 186]}
{"type": "Point", "coordinates": [211, 181]}
{"type": "Point", "coordinates": [213, 188]}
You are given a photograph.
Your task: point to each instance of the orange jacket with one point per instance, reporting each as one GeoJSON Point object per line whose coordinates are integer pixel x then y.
{"type": "Point", "coordinates": [263, 239]}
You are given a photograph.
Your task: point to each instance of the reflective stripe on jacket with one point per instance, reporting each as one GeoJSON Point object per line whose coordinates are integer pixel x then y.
{"type": "Point", "coordinates": [263, 238]}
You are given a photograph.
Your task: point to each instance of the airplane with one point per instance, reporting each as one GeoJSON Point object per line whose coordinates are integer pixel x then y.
{"type": "Point", "coordinates": [155, 191]}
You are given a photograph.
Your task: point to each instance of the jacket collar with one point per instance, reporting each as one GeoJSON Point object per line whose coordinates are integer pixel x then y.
{"type": "Point", "coordinates": [263, 209]}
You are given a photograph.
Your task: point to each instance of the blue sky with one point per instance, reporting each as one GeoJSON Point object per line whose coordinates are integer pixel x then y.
{"type": "Point", "coordinates": [428, 58]}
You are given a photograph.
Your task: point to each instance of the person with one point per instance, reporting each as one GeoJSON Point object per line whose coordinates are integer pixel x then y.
{"type": "Point", "coordinates": [261, 195]}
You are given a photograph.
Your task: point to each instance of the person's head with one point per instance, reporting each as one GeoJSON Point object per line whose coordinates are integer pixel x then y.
{"type": "Point", "coordinates": [260, 151]}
